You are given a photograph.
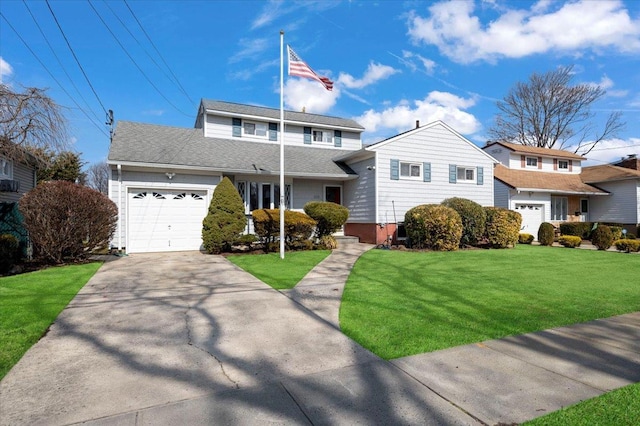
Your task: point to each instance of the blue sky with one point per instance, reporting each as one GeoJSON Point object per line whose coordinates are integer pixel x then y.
{"type": "Point", "coordinates": [392, 62]}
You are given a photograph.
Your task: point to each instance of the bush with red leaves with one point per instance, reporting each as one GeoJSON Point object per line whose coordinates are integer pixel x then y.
{"type": "Point", "coordinates": [67, 221]}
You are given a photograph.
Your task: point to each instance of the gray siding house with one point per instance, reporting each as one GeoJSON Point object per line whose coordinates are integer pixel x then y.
{"type": "Point", "coordinates": [162, 178]}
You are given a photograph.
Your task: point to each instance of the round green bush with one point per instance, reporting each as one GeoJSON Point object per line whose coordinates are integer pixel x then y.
{"type": "Point", "coordinates": [502, 228]}
{"type": "Point", "coordinates": [473, 219]}
{"type": "Point", "coordinates": [225, 220]}
{"type": "Point", "coordinates": [546, 234]}
{"type": "Point", "coordinates": [570, 241]}
{"type": "Point", "coordinates": [627, 245]}
{"type": "Point", "coordinates": [9, 250]}
{"type": "Point", "coordinates": [329, 216]}
{"type": "Point", "coordinates": [433, 226]}
{"type": "Point", "coordinates": [298, 228]}
{"type": "Point", "coordinates": [602, 237]}
{"type": "Point", "coordinates": [525, 238]}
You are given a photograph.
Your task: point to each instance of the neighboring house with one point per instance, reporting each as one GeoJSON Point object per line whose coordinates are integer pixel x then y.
{"type": "Point", "coordinates": [543, 185]}
{"type": "Point", "coordinates": [16, 179]}
{"type": "Point", "coordinates": [622, 181]}
{"type": "Point", "coordinates": [163, 177]}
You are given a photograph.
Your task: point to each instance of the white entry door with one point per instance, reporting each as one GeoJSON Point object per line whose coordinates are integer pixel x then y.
{"type": "Point", "coordinates": [163, 220]}
{"type": "Point", "coordinates": [532, 218]}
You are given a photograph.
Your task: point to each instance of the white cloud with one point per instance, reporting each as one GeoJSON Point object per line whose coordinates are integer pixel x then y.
{"type": "Point", "coordinates": [269, 13]}
{"type": "Point", "coordinates": [460, 35]}
{"type": "Point", "coordinates": [249, 48]}
{"type": "Point", "coordinates": [428, 64]}
{"type": "Point", "coordinates": [373, 74]}
{"type": "Point", "coordinates": [154, 112]}
{"type": "Point", "coordinates": [309, 95]}
{"type": "Point", "coordinates": [612, 150]}
{"type": "Point", "coordinates": [435, 106]}
{"type": "Point", "coordinates": [606, 84]}
{"type": "Point", "coordinates": [6, 70]}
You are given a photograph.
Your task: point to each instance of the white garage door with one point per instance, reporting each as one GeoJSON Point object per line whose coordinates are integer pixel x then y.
{"type": "Point", "coordinates": [162, 220]}
{"type": "Point", "coordinates": [532, 217]}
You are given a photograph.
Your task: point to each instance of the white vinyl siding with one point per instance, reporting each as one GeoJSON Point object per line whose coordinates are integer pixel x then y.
{"type": "Point", "coordinates": [440, 147]}
{"type": "Point", "coordinates": [542, 199]}
{"type": "Point", "coordinates": [621, 206]}
{"type": "Point", "coordinates": [360, 194]}
{"type": "Point", "coordinates": [515, 162]}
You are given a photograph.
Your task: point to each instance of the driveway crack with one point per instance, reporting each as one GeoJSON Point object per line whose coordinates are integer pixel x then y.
{"type": "Point", "coordinates": [191, 343]}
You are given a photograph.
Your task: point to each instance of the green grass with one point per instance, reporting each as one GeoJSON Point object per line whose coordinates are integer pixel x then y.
{"type": "Point", "coordinates": [620, 407]}
{"type": "Point", "coordinates": [403, 303]}
{"type": "Point", "coordinates": [280, 273]}
{"type": "Point", "coordinates": [30, 302]}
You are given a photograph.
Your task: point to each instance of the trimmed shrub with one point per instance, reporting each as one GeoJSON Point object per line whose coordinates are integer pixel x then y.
{"type": "Point", "coordinates": [298, 228]}
{"type": "Point", "coordinates": [602, 237]}
{"type": "Point", "coordinates": [9, 251]}
{"type": "Point", "coordinates": [630, 236]}
{"type": "Point", "coordinates": [225, 221]}
{"type": "Point", "coordinates": [328, 242]}
{"type": "Point", "coordinates": [67, 221]}
{"type": "Point", "coordinates": [473, 219]}
{"type": "Point", "coordinates": [616, 231]}
{"type": "Point", "coordinates": [546, 234]}
{"type": "Point", "coordinates": [525, 238]}
{"type": "Point", "coordinates": [626, 245]}
{"type": "Point", "coordinates": [502, 228]}
{"type": "Point", "coordinates": [329, 216]}
{"type": "Point", "coordinates": [570, 241]}
{"type": "Point", "coordinates": [433, 226]}
{"type": "Point", "coordinates": [579, 229]}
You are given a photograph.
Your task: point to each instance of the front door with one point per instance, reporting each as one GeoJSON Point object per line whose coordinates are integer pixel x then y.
{"type": "Point", "coordinates": [333, 194]}
{"type": "Point", "coordinates": [584, 210]}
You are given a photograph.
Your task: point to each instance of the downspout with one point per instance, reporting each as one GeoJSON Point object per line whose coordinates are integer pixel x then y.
{"type": "Point", "coordinates": [119, 208]}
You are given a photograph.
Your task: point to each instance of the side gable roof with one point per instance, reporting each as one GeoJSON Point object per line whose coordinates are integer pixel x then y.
{"type": "Point", "coordinates": [526, 180]}
{"type": "Point", "coordinates": [152, 145]}
{"type": "Point", "coordinates": [608, 172]}
{"type": "Point", "coordinates": [374, 147]}
{"type": "Point", "coordinates": [548, 152]}
{"type": "Point", "coordinates": [274, 114]}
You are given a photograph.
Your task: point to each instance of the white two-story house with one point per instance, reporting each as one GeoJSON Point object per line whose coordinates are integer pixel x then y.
{"type": "Point", "coordinates": [163, 177]}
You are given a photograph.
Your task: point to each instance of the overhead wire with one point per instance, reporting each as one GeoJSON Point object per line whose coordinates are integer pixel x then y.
{"type": "Point", "coordinates": [46, 39]}
{"type": "Point", "coordinates": [75, 57]}
{"type": "Point", "coordinates": [51, 74]}
{"type": "Point", "coordinates": [134, 61]}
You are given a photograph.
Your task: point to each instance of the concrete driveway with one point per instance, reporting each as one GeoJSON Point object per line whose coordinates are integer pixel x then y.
{"type": "Point", "coordinates": [187, 338]}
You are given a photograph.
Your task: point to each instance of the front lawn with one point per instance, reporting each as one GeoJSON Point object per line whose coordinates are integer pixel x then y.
{"type": "Point", "coordinates": [280, 273]}
{"type": "Point", "coordinates": [403, 303]}
{"type": "Point", "coordinates": [29, 303]}
{"type": "Point", "coordinates": [620, 407]}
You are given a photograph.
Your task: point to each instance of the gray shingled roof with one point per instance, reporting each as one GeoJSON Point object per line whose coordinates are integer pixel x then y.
{"type": "Point", "coordinates": [274, 113]}
{"type": "Point", "coordinates": [162, 145]}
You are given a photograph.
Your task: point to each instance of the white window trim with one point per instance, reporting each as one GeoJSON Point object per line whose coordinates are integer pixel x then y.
{"type": "Point", "coordinates": [8, 165]}
{"type": "Point", "coordinates": [563, 204]}
{"type": "Point", "coordinates": [465, 180]}
{"type": "Point", "coordinates": [529, 166]}
{"type": "Point", "coordinates": [327, 136]}
{"type": "Point", "coordinates": [409, 177]}
{"type": "Point", "coordinates": [256, 124]}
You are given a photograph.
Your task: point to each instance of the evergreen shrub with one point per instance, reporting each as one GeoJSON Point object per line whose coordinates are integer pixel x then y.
{"type": "Point", "coordinates": [502, 228]}
{"type": "Point", "coordinates": [329, 216]}
{"type": "Point", "coordinates": [579, 229]}
{"type": "Point", "coordinates": [473, 218]}
{"type": "Point", "coordinates": [525, 238]}
{"type": "Point", "coordinates": [570, 241]}
{"type": "Point", "coordinates": [225, 221]}
{"type": "Point", "coordinates": [546, 234]}
{"type": "Point", "coordinates": [602, 237]}
{"type": "Point", "coordinates": [627, 245]}
{"type": "Point", "coordinates": [9, 252]}
{"type": "Point", "coordinates": [298, 228]}
{"type": "Point", "coordinates": [433, 226]}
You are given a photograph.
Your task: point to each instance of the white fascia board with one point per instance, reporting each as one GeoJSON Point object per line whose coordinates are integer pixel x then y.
{"type": "Point", "coordinates": [557, 191]}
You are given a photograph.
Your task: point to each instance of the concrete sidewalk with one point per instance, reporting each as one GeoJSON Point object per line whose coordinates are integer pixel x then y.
{"type": "Point", "coordinates": [186, 338]}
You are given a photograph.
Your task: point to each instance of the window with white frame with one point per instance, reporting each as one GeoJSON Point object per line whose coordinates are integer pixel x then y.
{"type": "Point", "coordinates": [532, 162]}
{"type": "Point", "coordinates": [410, 170]}
{"type": "Point", "coordinates": [258, 195]}
{"type": "Point", "coordinates": [321, 136]}
{"type": "Point", "coordinates": [563, 165]}
{"type": "Point", "coordinates": [6, 169]}
{"type": "Point", "coordinates": [255, 129]}
{"type": "Point", "coordinates": [466, 174]}
{"type": "Point", "coordinates": [559, 208]}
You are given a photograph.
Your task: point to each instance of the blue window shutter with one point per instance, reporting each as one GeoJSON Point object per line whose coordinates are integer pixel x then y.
{"type": "Point", "coordinates": [453, 173]}
{"type": "Point", "coordinates": [395, 169]}
{"type": "Point", "coordinates": [273, 131]}
{"type": "Point", "coordinates": [426, 172]}
{"type": "Point", "coordinates": [480, 176]}
{"type": "Point", "coordinates": [307, 135]}
{"type": "Point", "coordinates": [237, 127]}
{"type": "Point", "coordinates": [337, 138]}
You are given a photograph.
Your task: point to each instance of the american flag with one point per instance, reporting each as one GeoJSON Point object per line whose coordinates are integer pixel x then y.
{"type": "Point", "coordinates": [299, 68]}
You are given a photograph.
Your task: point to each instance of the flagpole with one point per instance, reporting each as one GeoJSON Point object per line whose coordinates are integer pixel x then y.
{"type": "Point", "coordinates": [282, 188]}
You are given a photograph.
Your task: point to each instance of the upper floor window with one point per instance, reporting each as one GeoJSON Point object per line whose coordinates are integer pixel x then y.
{"type": "Point", "coordinates": [411, 170]}
{"type": "Point", "coordinates": [532, 162]}
{"type": "Point", "coordinates": [6, 169]}
{"type": "Point", "coordinates": [256, 129]}
{"type": "Point", "coordinates": [563, 165]}
{"type": "Point", "coordinates": [466, 174]}
{"type": "Point", "coordinates": [321, 136]}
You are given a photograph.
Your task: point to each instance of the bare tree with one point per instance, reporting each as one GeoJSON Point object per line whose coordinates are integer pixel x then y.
{"type": "Point", "coordinates": [98, 177]}
{"type": "Point", "coordinates": [30, 120]}
{"type": "Point", "coordinates": [549, 112]}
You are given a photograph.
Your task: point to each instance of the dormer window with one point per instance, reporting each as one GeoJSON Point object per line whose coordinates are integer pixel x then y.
{"type": "Point", "coordinates": [563, 165]}
{"type": "Point", "coordinates": [321, 136]}
{"type": "Point", "coordinates": [255, 129]}
{"type": "Point", "coordinates": [532, 162]}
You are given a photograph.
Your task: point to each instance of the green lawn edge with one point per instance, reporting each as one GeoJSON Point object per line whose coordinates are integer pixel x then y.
{"type": "Point", "coordinates": [281, 274]}
{"type": "Point", "coordinates": [31, 302]}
